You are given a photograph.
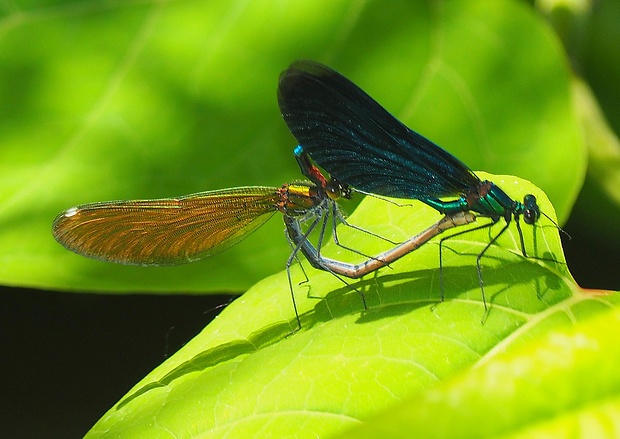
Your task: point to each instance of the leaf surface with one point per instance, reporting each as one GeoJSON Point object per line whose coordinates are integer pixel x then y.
{"type": "Point", "coordinates": [246, 375]}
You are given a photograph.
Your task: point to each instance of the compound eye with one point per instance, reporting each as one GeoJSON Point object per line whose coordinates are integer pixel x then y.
{"type": "Point", "coordinates": [530, 201]}
{"type": "Point", "coordinates": [531, 211]}
{"type": "Point", "coordinates": [529, 216]}
{"type": "Point", "coordinates": [336, 190]}
{"type": "Point", "coordinates": [332, 190]}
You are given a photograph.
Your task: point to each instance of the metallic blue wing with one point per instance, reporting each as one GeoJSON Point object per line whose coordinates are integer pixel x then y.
{"type": "Point", "coordinates": [360, 143]}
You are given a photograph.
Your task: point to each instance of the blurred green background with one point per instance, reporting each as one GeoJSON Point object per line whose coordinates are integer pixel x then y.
{"type": "Point", "coordinates": [108, 100]}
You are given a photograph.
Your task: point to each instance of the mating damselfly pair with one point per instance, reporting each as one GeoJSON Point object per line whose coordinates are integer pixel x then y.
{"type": "Point", "coordinates": [362, 148]}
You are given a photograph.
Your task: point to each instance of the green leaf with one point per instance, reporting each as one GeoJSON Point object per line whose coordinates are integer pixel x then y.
{"type": "Point", "coordinates": [246, 375]}
{"type": "Point", "coordinates": [563, 384]}
{"type": "Point", "coordinates": [118, 100]}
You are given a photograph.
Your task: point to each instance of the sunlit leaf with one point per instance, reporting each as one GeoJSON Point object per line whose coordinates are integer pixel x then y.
{"type": "Point", "coordinates": [246, 375]}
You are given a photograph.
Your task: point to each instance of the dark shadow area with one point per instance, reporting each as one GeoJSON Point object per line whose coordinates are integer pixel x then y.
{"type": "Point", "coordinates": [68, 358]}
{"type": "Point", "coordinates": [592, 259]}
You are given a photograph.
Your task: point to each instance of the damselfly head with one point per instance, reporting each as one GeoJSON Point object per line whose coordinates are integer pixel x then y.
{"type": "Point", "coordinates": [531, 211]}
{"type": "Point", "coordinates": [334, 189]}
